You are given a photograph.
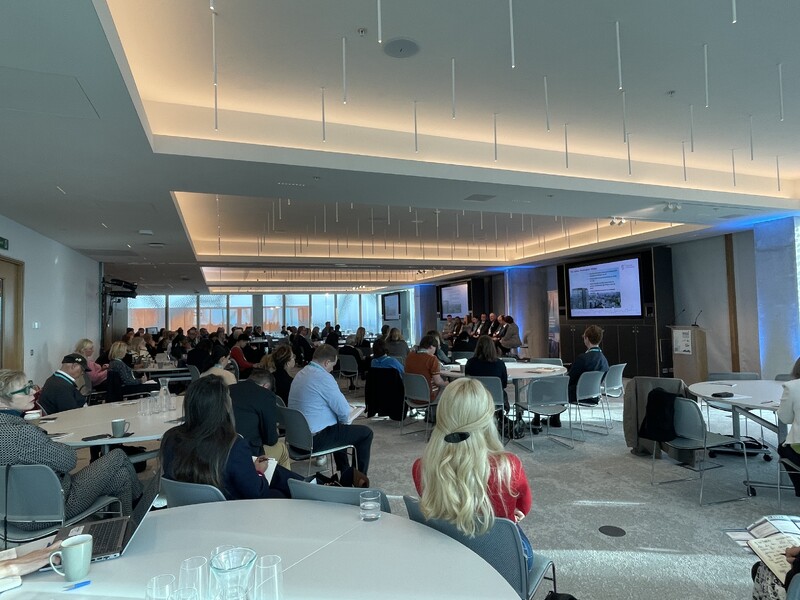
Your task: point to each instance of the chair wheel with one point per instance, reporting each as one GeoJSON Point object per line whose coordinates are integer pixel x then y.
{"type": "Point", "coordinates": [767, 457]}
{"type": "Point", "coordinates": [752, 491]}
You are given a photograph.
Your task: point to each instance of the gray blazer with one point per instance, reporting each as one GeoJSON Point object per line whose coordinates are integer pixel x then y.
{"type": "Point", "coordinates": [510, 338]}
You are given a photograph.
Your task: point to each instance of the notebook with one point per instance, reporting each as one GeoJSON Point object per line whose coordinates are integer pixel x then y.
{"type": "Point", "coordinates": [111, 537]}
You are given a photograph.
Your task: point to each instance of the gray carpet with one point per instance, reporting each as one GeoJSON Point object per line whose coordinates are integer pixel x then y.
{"type": "Point", "coordinates": [672, 550]}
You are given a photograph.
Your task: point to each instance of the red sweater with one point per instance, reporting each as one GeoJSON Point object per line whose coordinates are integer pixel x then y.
{"type": "Point", "coordinates": [238, 356]}
{"type": "Point", "coordinates": [503, 503]}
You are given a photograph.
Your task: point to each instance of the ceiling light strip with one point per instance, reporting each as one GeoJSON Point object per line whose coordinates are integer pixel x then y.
{"type": "Point", "coordinates": [691, 127]}
{"type": "Point", "coordinates": [546, 105]}
{"type": "Point", "coordinates": [705, 68]}
{"type": "Point", "coordinates": [624, 119]}
{"type": "Point", "coordinates": [733, 167]}
{"type": "Point", "coordinates": [683, 154]}
{"type": "Point", "coordinates": [619, 55]}
{"type": "Point", "coordinates": [388, 215]}
{"type": "Point", "coordinates": [778, 171]}
{"type": "Point", "coordinates": [780, 88]}
{"type": "Point", "coordinates": [628, 144]}
{"type": "Point", "coordinates": [344, 70]}
{"type": "Point", "coordinates": [494, 126]}
{"type": "Point", "coordinates": [511, 32]}
{"type": "Point", "coordinates": [416, 133]}
{"type": "Point", "coordinates": [337, 212]}
{"type": "Point", "coordinates": [453, 85]}
{"type": "Point", "coordinates": [566, 146]}
{"type": "Point", "coordinates": [733, 11]}
{"type": "Point", "coordinates": [214, 63]}
{"type": "Point", "coordinates": [750, 119]}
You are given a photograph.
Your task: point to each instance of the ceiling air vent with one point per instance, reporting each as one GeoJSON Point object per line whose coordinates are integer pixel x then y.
{"type": "Point", "coordinates": [478, 198]}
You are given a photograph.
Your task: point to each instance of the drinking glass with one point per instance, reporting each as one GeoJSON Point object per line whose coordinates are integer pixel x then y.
{"type": "Point", "coordinates": [370, 504]}
{"type": "Point", "coordinates": [155, 404]}
{"type": "Point", "coordinates": [231, 570]}
{"type": "Point", "coordinates": [194, 575]}
{"type": "Point", "coordinates": [160, 587]}
{"type": "Point", "coordinates": [268, 578]}
{"type": "Point", "coordinates": [144, 406]}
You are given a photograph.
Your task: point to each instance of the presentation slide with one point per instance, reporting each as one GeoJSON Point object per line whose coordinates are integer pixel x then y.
{"type": "Point", "coordinates": [455, 300]}
{"type": "Point", "coordinates": [391, 307]}
{"type": "Point", "coordinates": [605, 290]}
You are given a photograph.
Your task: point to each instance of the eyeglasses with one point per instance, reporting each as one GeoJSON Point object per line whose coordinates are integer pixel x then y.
{"type": "Point", "coordinates": [29, 387]}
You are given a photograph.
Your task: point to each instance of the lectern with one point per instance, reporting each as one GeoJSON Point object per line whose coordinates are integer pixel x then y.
{"type": "Point", "coordinates": [689, 356]}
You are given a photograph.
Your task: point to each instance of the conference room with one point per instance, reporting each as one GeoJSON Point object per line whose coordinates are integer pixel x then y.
{"type": "Point", "coordinates": [372, 163]}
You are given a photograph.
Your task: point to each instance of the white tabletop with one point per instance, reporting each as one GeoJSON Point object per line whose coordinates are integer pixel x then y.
{"type": "Point", "coordinates": [95, 420]}
{"type": "Point", "coordinates": [518, 371]}
{"type": "Point", "coordinates": [326, 551]}
{"type": "Point", "coordinates": [762, 394]}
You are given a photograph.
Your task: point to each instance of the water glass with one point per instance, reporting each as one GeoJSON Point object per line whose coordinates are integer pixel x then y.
{"type": "Point", "coordinates": [155, 404]}
{"type": "Point", "coordinates": [144, 407]}
{"type": "Point", "coordinates": [212, 581]}
{"type": "Point", "coordinates": [160, 587]}
{"type": "Point", "coordinates": [370, 503]}
{"type": "Point", "coordinates": [194, 575]}
{"type": "Point", "coordinates": [232, 570]}
{"type": "Point", "coordinates": [173, 402]}
{"type": "Point", "coordinates": [185, 594]}
{"type": "Point", "coordinates": [268, 578]}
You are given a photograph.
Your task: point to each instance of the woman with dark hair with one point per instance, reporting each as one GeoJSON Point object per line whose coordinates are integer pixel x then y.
{"type": "Point", "coordinates": [486, 364]}
{"type": "Point", "coordinates": [278, 362]}
{"type": "Point", "coordinates": [381, 360]}
{"type": "Point", "coordinates": [206, 448]}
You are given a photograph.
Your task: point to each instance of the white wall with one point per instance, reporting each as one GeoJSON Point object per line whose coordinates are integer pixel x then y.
{"type": "Point", "coordinates": [61, 293]}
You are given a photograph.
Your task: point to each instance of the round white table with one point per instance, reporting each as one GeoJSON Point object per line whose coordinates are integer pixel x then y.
{"type": "Point", "coordinates": [518, 373]}
{"type": "Point", "coordinates": [96, 420]}
{"type": "Point", "coordinates": [326, 552]}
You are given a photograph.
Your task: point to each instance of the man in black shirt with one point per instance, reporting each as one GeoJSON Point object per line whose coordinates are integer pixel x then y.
{"type": "Point", "coordinates": [60, 392]}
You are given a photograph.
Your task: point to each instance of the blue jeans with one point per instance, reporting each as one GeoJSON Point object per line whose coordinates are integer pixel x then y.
{"type": "Point", "coordinates": [526, 548]}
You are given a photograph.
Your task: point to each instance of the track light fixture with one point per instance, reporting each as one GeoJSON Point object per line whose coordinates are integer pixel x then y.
{"type": "Point", "coordinates": [671, 206]}
{"type": "Point", "coordinates": [617, 221]}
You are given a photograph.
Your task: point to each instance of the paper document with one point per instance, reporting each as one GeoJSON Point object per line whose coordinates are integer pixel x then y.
{"type": "Point", "coordinates": [355, 412]}
{"type": "Point", "coordinates": [771, 551]}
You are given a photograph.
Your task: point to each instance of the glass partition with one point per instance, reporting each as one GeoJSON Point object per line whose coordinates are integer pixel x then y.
{"type": "Point", "coordinates": [147, 311]}
{"type": "Point", "coordinates": [240, 313]}
{"type": "Point", "coordinates": [347, 312]}
{"type": "Point", "coordinates": [212, 312]}
{"type": "Point", "coordinates": [182, 312]}
{"type": "Point", "coordinates": [297, 309]}
{"type": "Point", "coordinates": [370, 317]}
{"type": "Point", "coordinates": [273, 313]}
{"type": "Point", "coordinates": [322, 310]}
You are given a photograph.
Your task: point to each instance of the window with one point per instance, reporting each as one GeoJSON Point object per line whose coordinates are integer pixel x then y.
{"type": "Point", "coordinates": [273, 313]}
{"type": "Point", "coordinates": [297, 309]}
{"type": "Point", "coordinates": [212, 312]}
{"type": "Point", "coordinates": [147, 311]}
{"type": "Point", "coordinates": [240, 313]}
{"type": "Point", "coordinates": [182, 312]}
{"type": "Point", "coordinates": [347, 312]}
{"type": "Point", "coordinates": [322, 310]}
{"type": "Point", "coordinates": [370, 319]}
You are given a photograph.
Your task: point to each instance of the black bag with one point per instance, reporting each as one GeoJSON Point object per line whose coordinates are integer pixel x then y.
{"type": "Point", "coordinates": [554, 596]}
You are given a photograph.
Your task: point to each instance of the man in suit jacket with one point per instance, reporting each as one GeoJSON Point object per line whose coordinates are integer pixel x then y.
{"type": "Point", "coordinates": [481, 328]}
{"type": "Point", "coordinates": [60, 391]}
{"type": "Point", "coordinates": [256, 414]}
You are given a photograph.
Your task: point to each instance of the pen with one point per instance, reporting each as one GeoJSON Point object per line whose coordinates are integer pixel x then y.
{"type": "Point", "coordinates": [75, 586]}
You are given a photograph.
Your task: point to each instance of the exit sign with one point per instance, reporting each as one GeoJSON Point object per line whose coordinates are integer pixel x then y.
{"type": "Point", "coordinates": [3, 243]}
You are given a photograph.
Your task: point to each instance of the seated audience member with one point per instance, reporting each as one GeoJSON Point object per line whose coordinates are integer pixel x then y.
{"type": "Point", "coordinates": [361, 339]}
{"type": "Point", "coordinates": [464, 476]}
{"type": "Point", "coordinates": [150, 344]}
{"type": "Point", "coordinates": [424, 362]}
{"type": "Point", "coordinates": [130, 384]}
{"type": "Point", "coordinates": [349, 349]}
{"type": "Point", "coordinates": [96, 373]}
{"type": "Point", "coordinates": [278, 362]}
{"type": "Point", "coordinates": [255, 414]}
{"type": "Point", "coordinates": [192, 336]}
{"type": "Point", "coordinates": [206, 448]}
{"type": "Point", "coordinates": [138, 350]}
{"type": "Point", "coordinates": [326, 330]}
{"type": "Point", "coordinates": [234, 336]}
{"type": "Point", "coordinates": [486, 364]}
{"type": "Point", "coordinates": [796, 369]}
{"type": "Point", "coordinates": [381, 360]}
{"type": "Point", "coordinates": [284, 332]}
{"type": "Point", "coordinates": [221, 357]}
{"type": "Point", "coordinates": [316, 394]}
{"type": "Point", "coordinates": [332, 338]}
{"type": "Point", "coordinates": [385, 329]}
{"type": "Point", "coordinates": [237, 355]}
{"type": "Point", "coordinates": [789, 413]}
{"type": "Point", "coordinates": [315, 335]}
{"type": "Point", "coordinates": [441, 347]}
{"type": "Point", "coordinates": [766, 586]}
{"type": "Point", "coordinates": [510, 337]}
{"type": "Point", "coordinates": [301, 346]}
{"type": "Point", "coordinates": [26, 444]}
{"type": "Point", "coordinates": [200, 355]}
{"type": "Point", "coordinates": [60, 391]}
{"type": "Point", "coordinates": [396, 345]}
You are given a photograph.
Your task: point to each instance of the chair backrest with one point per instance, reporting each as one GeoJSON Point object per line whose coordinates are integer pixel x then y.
{"type": "Point", "coordinates": [548, 391]}
{"type": "Point", "coordinates": [416, 388]}
{"type": "Point", "coordinates": [494, 386]}
{"type": "Point", "coordinates": [233, 366]}
{"type": "Point", "coordinates": [348, 364]}
{"type": "Point", "coordinates": [589, 385]}
{"type": "Point", "coordinates": [457, 354]}
{"type": "Point", "coordinates": [548, 361]}
{"type": "Point", "coordinates": [181, 493]}
{"type": "Point", "coordinates": [302, 490]}
{"type": "Point", "coordinates": [740, 376]}
{"type": "Point", "coordinates": [298, 433]}
{"type": "Point", "coordinates": [194, 372]}
{"type": "Point", "coordinates": [113, 387]}
{"type": "Point", "coordinates": [784, 377]}
{"type": "Point", "coordinates": [384, 393]}
{"type": "Point", "coordinates": [689, 421]}
{"type": "Point", "coordinates": [612, 383]}
{"type": "Point", "coordinates": [33, 494]}
{"type": "Point", "coordinates": [501, 546]}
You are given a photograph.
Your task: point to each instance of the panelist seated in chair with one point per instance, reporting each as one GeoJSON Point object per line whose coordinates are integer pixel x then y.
{"type": "Point", "coordinates": [206, 448]}
{"type": "Point", "coordinates": [465, 460]}
{"type": "Point", "coordinates": [26, 444]}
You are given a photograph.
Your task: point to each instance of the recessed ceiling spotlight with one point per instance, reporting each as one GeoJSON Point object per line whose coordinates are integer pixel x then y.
{"type": "Point", "coordinates": [671, 206]}
{"type": "Point", "coordinates": [400, 48]}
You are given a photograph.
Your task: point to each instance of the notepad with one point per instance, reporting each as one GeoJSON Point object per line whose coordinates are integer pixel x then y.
{"type": "Point", "coordinates": [771, 552]}
{"type": "Point", "coordinates": [9, 583]}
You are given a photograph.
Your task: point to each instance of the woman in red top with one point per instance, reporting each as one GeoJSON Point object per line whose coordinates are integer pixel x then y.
{"type": "Point", "coordinates": [465, 477]}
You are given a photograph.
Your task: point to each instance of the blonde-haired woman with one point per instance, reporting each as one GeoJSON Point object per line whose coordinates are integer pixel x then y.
{"type": "Point", "coordinates": [96, 373]}
{"type": "Point", "coordinates": [130, 384]}
{"type": "Point", "coordinates": [465, 477]}
{"type": "Point", "coordinates": [396, 345]}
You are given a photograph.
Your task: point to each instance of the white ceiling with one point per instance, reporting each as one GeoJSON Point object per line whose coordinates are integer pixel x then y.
{"type": "Point", "coordinates": [113, 103]}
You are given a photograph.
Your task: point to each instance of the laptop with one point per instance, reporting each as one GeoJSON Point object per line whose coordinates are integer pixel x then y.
{"type": "Point", "coordinates": [111, 537]}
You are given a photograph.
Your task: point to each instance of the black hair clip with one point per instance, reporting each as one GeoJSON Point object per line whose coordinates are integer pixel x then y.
{"type": "Point", "coordinates": [456, 437]}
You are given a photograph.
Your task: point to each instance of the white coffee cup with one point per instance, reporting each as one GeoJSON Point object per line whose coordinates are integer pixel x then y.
{"type": "Point", "coordinates": [33, 415]}
{"type": "Point", "coordinates": [119, 427]}
{"type": "Point", "coordinates": [76, 554]}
